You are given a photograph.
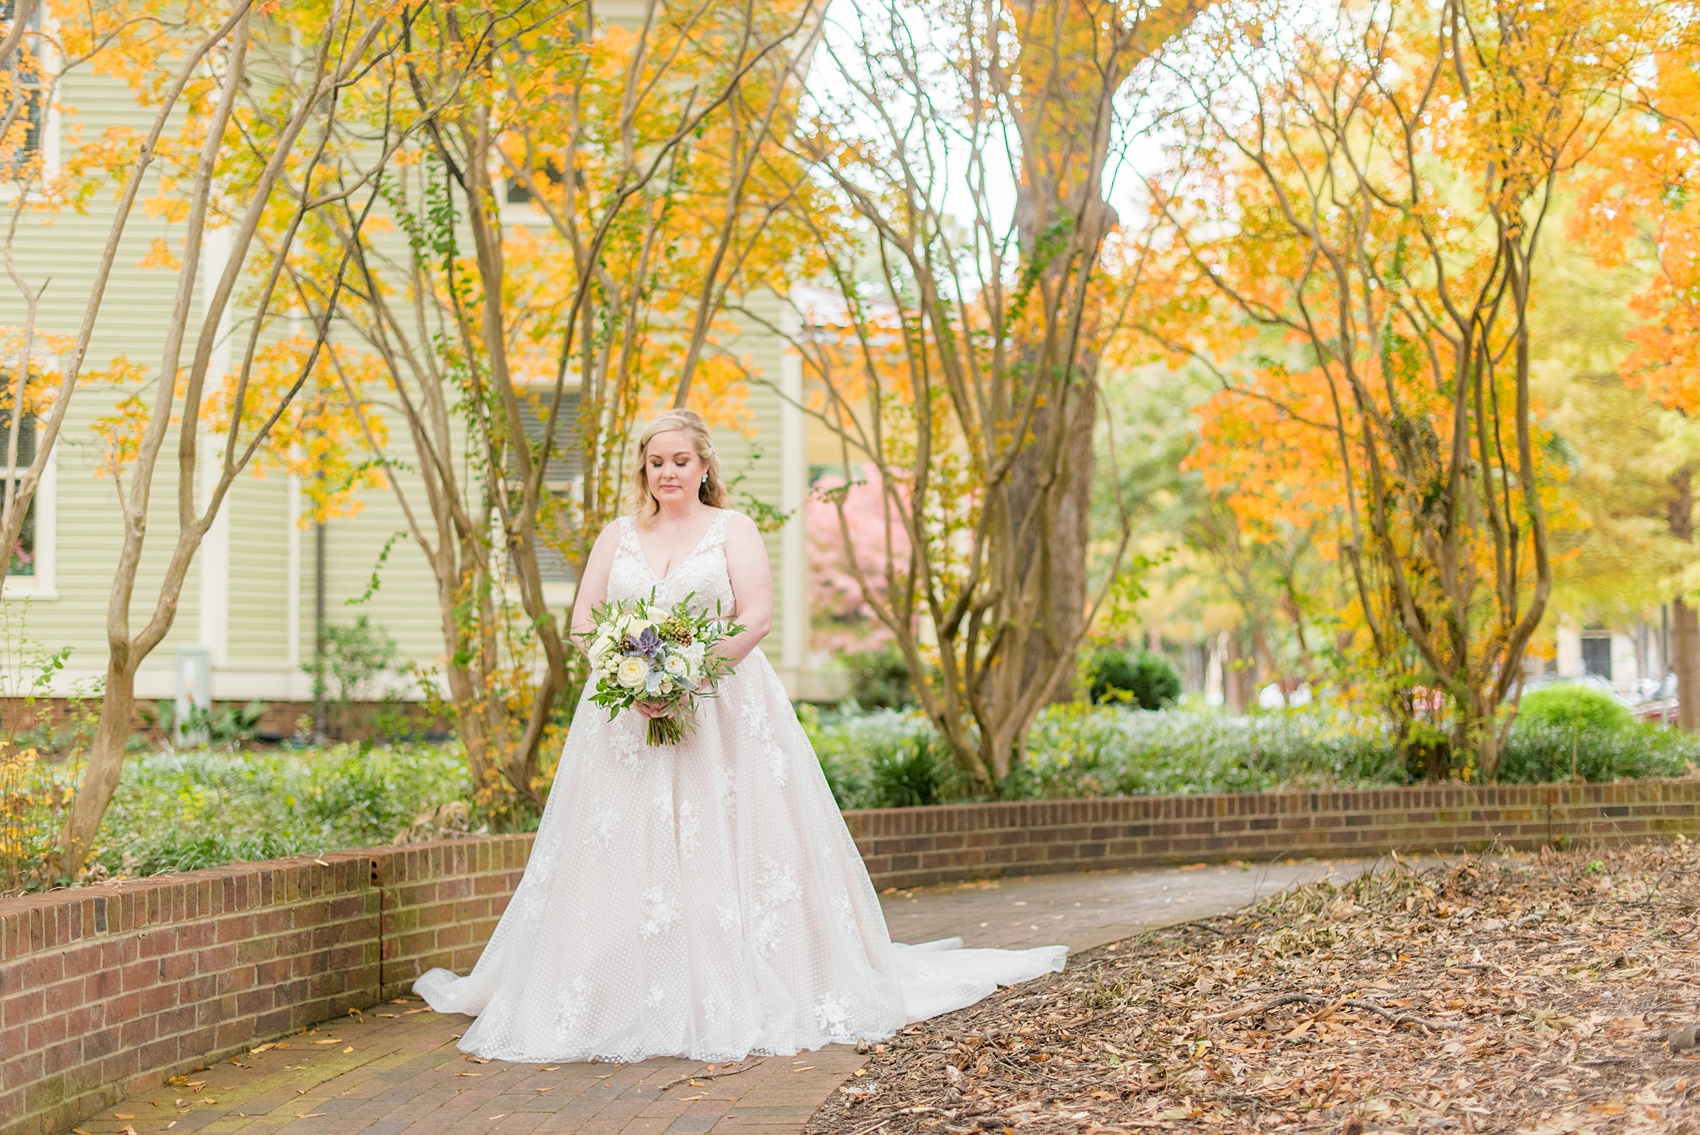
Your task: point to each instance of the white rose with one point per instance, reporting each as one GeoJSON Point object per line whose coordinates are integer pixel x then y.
{"type": "Point", "coordinates": [600, 648]}
{"type": "Point", "coordinates": [633, 672]}
{"type": "Point", "coordinates": [677, 666]}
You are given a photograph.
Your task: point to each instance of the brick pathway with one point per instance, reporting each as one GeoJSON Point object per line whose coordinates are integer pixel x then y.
{"type": "Point", "coordinates": [395, 1070]}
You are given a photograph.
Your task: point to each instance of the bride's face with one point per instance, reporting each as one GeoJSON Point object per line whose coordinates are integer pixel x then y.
{"type": "Point", "coordinates": [673, 467]}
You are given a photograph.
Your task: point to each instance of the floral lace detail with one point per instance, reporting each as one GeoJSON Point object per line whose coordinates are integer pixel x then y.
{"type": "Point", "coordinates": [571, 1001]}
{"type": "Point", "coordinates": [759, 728]}
{"type": "Point", "coordinates": [662, 912]}
{"type": "Point", "coordinates": [832, 1014]}
{"type": "Point", "coordinates": [690, 828]}
{"type": "Point", "coordinates": [604, 823]}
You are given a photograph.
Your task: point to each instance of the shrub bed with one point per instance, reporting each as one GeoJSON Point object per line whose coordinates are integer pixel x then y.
{"type": "Point", "coordinates": [202, 808]}
{"type": "Point", "coordinates": [188, 810]}
{"type": "Point", "coordinates": [871, 759]}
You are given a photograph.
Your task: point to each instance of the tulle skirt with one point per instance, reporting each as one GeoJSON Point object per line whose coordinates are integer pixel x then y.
{"type": "Point", "coordinates": [702, 900]}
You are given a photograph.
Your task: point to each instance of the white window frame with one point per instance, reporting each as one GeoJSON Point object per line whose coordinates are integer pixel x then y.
{"type": "Point", "coordinates": [50, 120]}
{"type": "Point", "coordinates": [43, 584]}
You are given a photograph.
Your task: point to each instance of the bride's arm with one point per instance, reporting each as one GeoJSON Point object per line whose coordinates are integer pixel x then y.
{"type": "Point", "coordinates": [752, 587]}
{"type": "Point", "coordinates": [593, 588]}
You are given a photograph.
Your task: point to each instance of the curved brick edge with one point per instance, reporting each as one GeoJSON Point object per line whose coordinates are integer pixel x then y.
{"type": "Point", "coordinates": [108, 989]}
{"type": "Point", "coordinates": [911, 847]}
{"type": "Point", "coordinates": [111, 988]}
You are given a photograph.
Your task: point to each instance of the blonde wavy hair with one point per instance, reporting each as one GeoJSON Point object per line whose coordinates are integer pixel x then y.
{"type": "Point", "coordinates": [711, 492]}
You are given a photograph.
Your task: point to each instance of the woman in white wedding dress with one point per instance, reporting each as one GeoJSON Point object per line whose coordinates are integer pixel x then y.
{"type": "Point", "coordinates": [703, 899]}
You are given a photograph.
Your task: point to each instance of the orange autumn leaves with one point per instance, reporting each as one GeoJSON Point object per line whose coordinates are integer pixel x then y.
{"type": "Point", "coordinates": [1640, 202]}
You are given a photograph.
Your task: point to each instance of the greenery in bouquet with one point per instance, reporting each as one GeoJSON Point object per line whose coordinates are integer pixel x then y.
{"type": "Point", "coordinates": [641, 653]}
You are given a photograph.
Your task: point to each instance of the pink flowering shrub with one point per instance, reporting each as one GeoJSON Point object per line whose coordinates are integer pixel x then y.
{"type": "Point", "coordinates": [843, 620]}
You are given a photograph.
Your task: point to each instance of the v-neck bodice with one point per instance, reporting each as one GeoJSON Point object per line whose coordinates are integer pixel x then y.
{"type": "Point", "coordinates": [702, 574]}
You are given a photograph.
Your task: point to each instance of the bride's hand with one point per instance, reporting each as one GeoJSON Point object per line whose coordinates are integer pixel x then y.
{"type": "Point", "coordinates": [653, 709]}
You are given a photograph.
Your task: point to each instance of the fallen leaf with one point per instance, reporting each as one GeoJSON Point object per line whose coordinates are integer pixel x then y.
{"type": "Point", "coordinates": [309, 1115]}
{"type": "Point", "coordinates": [350, 1048]}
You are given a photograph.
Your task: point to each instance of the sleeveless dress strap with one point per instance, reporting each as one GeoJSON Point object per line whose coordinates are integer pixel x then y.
{"type": "Point", "coordinates": [715, 537]}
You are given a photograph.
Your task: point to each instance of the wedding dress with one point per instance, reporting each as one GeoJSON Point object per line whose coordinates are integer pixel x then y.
{"type": "Point", "coordinates": [705, 899]}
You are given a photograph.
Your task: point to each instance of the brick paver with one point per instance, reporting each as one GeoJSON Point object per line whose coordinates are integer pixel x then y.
{"type": "Point", "coordinates": [395, 1070]}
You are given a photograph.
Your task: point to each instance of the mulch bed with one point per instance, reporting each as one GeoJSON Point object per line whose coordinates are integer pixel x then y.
{"type": "Point", "coordinates": [1542, 993]}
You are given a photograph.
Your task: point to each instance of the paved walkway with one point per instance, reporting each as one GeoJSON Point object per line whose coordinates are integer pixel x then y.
{"type": "Point", "coordinates": [395, 1070]}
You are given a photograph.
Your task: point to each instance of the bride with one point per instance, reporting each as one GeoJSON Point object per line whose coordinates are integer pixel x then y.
{"type": "Point", "coordinates": [704, 899]}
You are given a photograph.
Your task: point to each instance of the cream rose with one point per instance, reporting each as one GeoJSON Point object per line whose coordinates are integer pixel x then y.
{"type": "Point", "coordinates": [633, 673]}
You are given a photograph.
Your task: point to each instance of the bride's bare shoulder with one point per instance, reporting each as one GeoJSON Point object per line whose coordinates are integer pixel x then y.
{"type": "Point", "coordinates": [740, 527]}
{"type": "Point", "coordinates": [607, 538]}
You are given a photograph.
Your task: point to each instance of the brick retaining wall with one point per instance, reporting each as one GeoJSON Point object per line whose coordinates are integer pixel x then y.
{"type": "Point", "coordinates": [110, 988]}
{"type": "Point", "coordinates": [113, 987]}
{"type": "Point", "coordinates": [912, 847]}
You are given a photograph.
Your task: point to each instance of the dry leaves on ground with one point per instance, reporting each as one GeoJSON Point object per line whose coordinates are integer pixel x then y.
{"type": "Point", "coordinates": [1531, 993]}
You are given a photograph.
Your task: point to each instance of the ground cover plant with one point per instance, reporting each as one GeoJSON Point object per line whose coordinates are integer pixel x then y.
{"type": "Point", "coordinates": [1548, 994]}
{"type": "Point", "coordinates": [181, 811]}
{"type": "Point", "coordinates": [875, 759]}
{"type": "Point", "coordinates": [201, 808]}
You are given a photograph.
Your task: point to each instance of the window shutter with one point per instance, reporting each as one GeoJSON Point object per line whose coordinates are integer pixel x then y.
{"type": "Point", "coordinates": [565, 463]}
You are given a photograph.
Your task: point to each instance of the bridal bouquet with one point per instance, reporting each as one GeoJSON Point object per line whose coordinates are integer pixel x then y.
{"type": "Point", "coordinates": [642, 653]}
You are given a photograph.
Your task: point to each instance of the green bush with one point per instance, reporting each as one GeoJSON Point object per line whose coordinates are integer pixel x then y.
{"type": "Point", "coordinates": [1115, 751]}
{"type": "Point", "coordinates": [1137, 678]}
{"type": "Point", "coordinates": [914, 772]}
{"type": "Point", "coordinates": [846, 741]}
{"type": "Point", "coordinates": [1539, 752]}
{"type": "Point", "coordinates": [1111, 750]}
{"type": "Point", "coordinates": [187, 810]}
{"type": "Point", "coordinates": [1572, 707]}
{"type": "Point", "coordinates": [879, 679]}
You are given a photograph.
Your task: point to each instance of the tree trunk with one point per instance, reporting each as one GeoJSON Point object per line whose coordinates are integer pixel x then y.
{"type": "Point", "coordinates": [1071, 529]}
{"type": "Point", "coordinates": [1487, 742]}
{"type": "Point", "coordinates": [1236, 677]}
{"type": "Point", "coordinates": [106, 763]}
{"type": "Point", "coordinates": [1685, 619]}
